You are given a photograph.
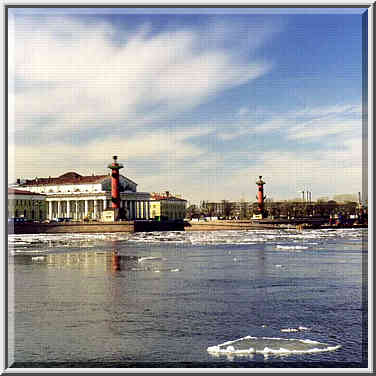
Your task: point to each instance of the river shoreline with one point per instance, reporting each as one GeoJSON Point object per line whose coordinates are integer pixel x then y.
{"type": "Point", "coordinates": [147, 226]}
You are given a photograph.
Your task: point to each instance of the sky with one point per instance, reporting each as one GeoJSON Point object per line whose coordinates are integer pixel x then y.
{"type": "Point", "coordinates": [196, 102]}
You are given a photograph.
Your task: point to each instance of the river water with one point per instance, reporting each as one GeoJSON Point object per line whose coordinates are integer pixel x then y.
{"type": "Point", "coordinates": [250, 298]}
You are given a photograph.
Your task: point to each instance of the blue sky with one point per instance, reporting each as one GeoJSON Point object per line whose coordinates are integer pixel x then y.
{"type": "Point", "coordinates": [199, 104]}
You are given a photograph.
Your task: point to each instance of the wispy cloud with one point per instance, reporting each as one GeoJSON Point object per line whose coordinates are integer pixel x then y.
{"type": "Point", "coordinates": [77, 77]}
{"type": "Point", "coordinates": [342, 120]}
{"type": "Point", "coordinates": [309, 124]}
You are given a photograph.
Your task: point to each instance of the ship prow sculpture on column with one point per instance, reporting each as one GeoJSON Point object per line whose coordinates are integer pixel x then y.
{"type": "Point", "coordinates": [261, 212]}
{"type": "Point", "coordinates": [115, 191]}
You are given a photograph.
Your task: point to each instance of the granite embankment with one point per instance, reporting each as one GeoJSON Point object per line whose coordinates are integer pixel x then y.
{"type": "Point", "coordinates": [130, 226]}
{"type": "Point", "coordinates": [63, 228]}
{"type": "Point", "coordinates": [298, 223]}
{"type": "Point", "coordinates": [94, 227]}
{"type": "Point", "coordinates": [143, 226]}
{"type": "Point", "coordinates": [226, 225]}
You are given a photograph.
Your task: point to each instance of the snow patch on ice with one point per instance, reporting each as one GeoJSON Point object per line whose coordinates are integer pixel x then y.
{"type": "Point", "coordinates": [291, 247]}
{"type": "Point", "coordinates": [289, 330]}
{"type": "Point", "coordinates": [267, 346]}
{"type": "Point", "coordinates": [149, 258]}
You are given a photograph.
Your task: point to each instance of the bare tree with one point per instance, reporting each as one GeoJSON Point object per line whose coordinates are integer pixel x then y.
{"type": "Point", "coordinates": [244, 212]}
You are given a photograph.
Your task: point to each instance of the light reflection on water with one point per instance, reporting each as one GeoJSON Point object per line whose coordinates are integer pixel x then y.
{"type": "Point", "coordinates": [157, 302]}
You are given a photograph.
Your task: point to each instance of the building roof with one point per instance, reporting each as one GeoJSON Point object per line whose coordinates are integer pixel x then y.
{"type": "Point", "coordinates": [12, 191]}
{"type": "Point", "coordinates": [159, 197]}
{"type": "Point", "coordinates": [70, 177]}
{"type": "Point", "coordinates": [67, 178]}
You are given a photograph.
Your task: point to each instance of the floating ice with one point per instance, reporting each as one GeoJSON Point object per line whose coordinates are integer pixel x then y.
{"type": "Point", "coordinates": [149, 258]}
{"type": "Point", "coordinates": [281, 239]}
{"type": "Point", "coordinates": [30, 241]}
{"type": "Point", "coordinates": [291, 247]}
{"type": "Point", "coordinates": [303, 328]}
{"type": "Point", "coordinates": [289, 330]}
{"type": "Point", "coordinates": [38, 258]}
{"type": "Point", "coordinates": [167, 270]}
{"type": "Point", "coordinates": [299, 329]}
{"type": "Point", "coordinates": [266, 346]}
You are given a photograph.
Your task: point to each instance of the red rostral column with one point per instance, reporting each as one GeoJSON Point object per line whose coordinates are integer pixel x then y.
{"type": "Point", "coordinates": [260, 195]}
{"type": "Point", "coordinates": [115, 192]}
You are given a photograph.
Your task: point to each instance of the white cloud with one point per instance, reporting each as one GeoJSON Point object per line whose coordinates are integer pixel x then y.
{"type": "Point", "coordinates": [310, 124]}
{"type": "Point", "coordinates": [243, 111]}
{"type": "Point", "coordinates": [330, 110]}
{"type": "Point", "coordinates": [347, 128]}
{"type": "Point", "coordinates": [75, 72]}
{"type": "Point", "coordinates": [161, 145]}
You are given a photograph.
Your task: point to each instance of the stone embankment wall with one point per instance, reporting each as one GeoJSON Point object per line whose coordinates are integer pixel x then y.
{"type": "Point", "coordinates": [57, 228]}
{"type": "Point", "coordinates": [225, 225]}
{"type": "Point", "coordinates": [141, 226]}
{"type": "Point", "coordinates": [66, 228]}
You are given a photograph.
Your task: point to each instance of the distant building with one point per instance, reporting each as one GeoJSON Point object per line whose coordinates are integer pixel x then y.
{"type": "Point", "coordinates": [167, 207]}
{"type": "Point", "coordinates": [72, 195]}
{"type": "Point", "coordinates": [226, 209]}
{"type": "Point", "coordinates": [27, 205]}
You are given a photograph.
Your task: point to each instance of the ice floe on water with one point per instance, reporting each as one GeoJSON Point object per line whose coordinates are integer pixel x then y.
{"type": "Point", "coordinates": [150, 258]}
{"type": "Point", "coordinates": [26, 242]}
{"type": "Point", "coordinates": [281, 238]}
{"type": "Point", "coordinates": [291, 247]}
{"type": "Point", "coordinates": [173, 270]}
{"type": "Point", "coordinates": [269, 346]}
{"type": "Point", "coordinates": [38, 258]}
{"type": "Point", "coordinates": [290, 330]}
{"type": "Point", "coordinates": [278, 239]}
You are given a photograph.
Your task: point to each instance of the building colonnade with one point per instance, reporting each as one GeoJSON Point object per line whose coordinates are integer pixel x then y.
{"type": "Point", "coordinates": [89, 207]}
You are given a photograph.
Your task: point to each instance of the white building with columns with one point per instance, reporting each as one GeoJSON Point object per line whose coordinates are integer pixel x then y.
{"type": "Point", "coordinates": [72, 195]}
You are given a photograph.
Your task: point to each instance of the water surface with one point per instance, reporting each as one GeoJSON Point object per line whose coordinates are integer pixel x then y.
{"type": "Point", "coordinates": [162, 299]}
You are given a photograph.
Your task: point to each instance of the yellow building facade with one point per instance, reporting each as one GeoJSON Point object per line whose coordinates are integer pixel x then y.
{"type": "Point", "coordinates": [27, 205]}
{"type": "Point", "coordinates": [166, 207]}
{"type": "Point", "coordinates": [155, 209]}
